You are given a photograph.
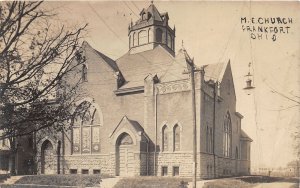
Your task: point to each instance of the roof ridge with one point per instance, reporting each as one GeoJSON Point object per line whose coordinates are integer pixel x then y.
{"type": "Point", "coordinates": [110, 62]}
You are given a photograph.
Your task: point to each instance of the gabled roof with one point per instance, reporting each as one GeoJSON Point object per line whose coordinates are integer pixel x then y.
{"type": "Point", "coordinates": [111, 63]}
{"type": "Point", "coordinates": [125, 121]}
{"type": "Point", "coordinates": [215, 71]}
{"type": "Point", "coordinates": [135, 67]}
{"type": "Point", "coordinates": [244, 136]}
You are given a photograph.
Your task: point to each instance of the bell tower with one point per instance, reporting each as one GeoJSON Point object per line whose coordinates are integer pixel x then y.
{"type": "Point", "coordinates": [151, 30]}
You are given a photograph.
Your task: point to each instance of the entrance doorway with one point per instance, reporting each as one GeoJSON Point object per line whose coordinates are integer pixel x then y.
{"type": "Point", "coordinates": [124, 156]}
{"type": "Point", "coordinates": [47, 158]}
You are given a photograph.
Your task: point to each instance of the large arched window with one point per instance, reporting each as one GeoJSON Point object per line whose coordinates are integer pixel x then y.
{"type": "Point", "coordinates": [158, 35]}
{"type": "Point", "coordinates": [165, 138]}
{"type": "Point", "coordinates": [143, 37]}
{"type": "Point", "coordinates": [227, 130]}
{"type": "Point", "coordinates": [176, 138]}
{"type": "Point", "coordinates": [86, 129]}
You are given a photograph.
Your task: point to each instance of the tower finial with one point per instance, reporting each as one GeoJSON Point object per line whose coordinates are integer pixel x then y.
{"type": "Point", "coordinates": [152, 2]}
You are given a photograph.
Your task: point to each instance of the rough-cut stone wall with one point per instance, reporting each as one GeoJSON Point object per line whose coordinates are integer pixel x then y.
{"type": "Point", "coordinates": [103, 162]}
{"type": "Point", "coordinates": [183, 160]}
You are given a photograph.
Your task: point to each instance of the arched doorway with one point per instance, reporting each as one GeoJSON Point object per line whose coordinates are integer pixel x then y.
{"type": "Point", "coordinates": [124, 155]}
{"type": "Point", "coordinates": [47, 158]}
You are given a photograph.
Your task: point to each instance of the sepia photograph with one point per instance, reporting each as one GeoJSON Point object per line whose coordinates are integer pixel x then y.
{"type": "Point", "coordinates": [149, 94]}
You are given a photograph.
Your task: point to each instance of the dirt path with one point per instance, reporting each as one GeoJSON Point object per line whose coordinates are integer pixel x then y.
{"type": "Point", "coordinates": [275, 185]}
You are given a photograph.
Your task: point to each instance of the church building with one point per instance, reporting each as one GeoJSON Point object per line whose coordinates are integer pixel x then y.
{"type": "Point", "coordinates": [139, 113]}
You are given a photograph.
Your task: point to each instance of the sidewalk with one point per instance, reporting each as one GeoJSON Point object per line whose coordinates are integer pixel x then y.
{"type": "Point", "coordinates": [109, 182]}
{"type": "Point", "coordinates": [200, 183]}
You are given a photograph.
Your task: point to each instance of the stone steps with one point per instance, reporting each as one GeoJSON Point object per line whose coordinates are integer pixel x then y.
{"type": "Point", "coordinates": [12, 180]}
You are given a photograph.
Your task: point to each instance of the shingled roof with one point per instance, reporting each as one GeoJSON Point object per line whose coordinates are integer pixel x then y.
{"type": "Point", "coordinates": [215, 71]}
{"type": "Point", "coordinates": [135, 67]}
{"type": "Point", "coordinates": [111, 63]}
{"type": "Point", "coordinates": [244, 136]}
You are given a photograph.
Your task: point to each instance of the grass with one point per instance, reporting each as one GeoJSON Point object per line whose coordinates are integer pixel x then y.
{"type": "Point", "coordinates": [248, 182]}
{"type": "Point", "coordinates": [152, 182]}
{"type": "Point", "coordinates": [63, 180]}
{"type": "Point", "coordinates": [228, 183]}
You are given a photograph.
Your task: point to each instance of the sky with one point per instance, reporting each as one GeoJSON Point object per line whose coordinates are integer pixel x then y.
{"type": "Point", "coordinates": [212, 32]}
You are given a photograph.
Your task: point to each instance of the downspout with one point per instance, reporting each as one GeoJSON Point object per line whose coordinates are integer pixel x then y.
{"type": "Point", "coordinates": [214, 126]}
{"type": "Point", "coordinates": [147, 156]}
{"type": "Point", "coordinates": [155, 122]}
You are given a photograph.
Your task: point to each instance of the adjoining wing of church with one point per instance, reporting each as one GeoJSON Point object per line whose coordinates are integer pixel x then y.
{"type": "Point", "coordinates": [139, 117]}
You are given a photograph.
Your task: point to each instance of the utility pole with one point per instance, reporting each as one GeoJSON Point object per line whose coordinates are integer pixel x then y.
{"type": "Point", "coordinates": [191, 66]}
{"type": "Point", "coordinates": [194, 124]}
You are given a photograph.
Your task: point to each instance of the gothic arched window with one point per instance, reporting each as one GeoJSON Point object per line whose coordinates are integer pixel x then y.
{"type": "Point", "coordinates": [130, 41]}
{"type": "Point", "coordinates": [84, 73]}
{"type": "Point", "coordinates": [165, 138]}
{"type": "Point", "coordinates": [227, 130]}
{"type": "Point", "coordinates": [135, 40]}
{"type": "Point", "coordinates": [86, 129]}
{"type": "Point", "coordinates": [176, 138]}
{"type": "Point", "coordinates": [150, 35]}
{"type": "Point", "coordinates": [143, 37]}
{"type": "Point", "coordinates": [169, 41]}
{"type": "Point", "coordinates": [158, 35]}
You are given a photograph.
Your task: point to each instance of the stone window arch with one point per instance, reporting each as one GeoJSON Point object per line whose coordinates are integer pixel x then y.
{"type": "Point", "coordinates": [86, 129]}
{"type": "Point", "coordinates": [165, 138]}
{"type": "Point", "coordinates": [176, 138]}
{"type": "Point", "coordinates": [143, 37]}
{"type": "Point", "coordinates": [227, 135]}
{"type": "Point", "coordinates": [158, 35]}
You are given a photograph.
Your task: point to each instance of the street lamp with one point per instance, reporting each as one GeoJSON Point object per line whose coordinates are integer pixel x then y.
{"type": "Point", "coordinates": [249, 87]}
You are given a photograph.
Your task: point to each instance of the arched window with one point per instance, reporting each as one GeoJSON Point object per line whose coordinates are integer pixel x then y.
{"type": "Point", "coordinates": [227, 130]}
{"type": "Point", "coordinates": [143, 38]}
{"type": "Point", "coordinates": [176, 138]}
{"type": "Point", "coordinates": [86, 129]}
{"type": "Point", "coordinates": [135, 40]}
{"type": "Point", "coordinates": [209, 139]}
{"type": "Point", "coordinates": [144, 16]}
{"type": "Point", "coordinates": [130, 41]}
{"type": "Point", "coordinates": [165, 138]}
{"type": "Point", "coordinates": [150, 35]}
{"type": "Point", "coordinates": [158, 35]}
{"type": "Point", "coordinates": [84, 73]}
{"type": "Point", "coordinates": [169, 41]}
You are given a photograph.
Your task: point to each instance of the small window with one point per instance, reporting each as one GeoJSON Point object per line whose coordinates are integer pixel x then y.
{"type": "Point", "coordinates": [164, 171]}
{"type": "Point", "coordinates": [175, 170]}
{"type": "Point", "coordinates": [73, 171]}
{"type": "Point", "coordinates": [96, 171]}
{"type": "Point", "coordinates": [84, 171]}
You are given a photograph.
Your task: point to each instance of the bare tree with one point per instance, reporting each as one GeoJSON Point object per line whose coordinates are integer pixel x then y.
{"type": "Point", "coordinates": [35, 57]}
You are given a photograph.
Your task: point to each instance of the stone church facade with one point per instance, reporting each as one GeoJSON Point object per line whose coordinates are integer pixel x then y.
{"type": "Point", "coordinates": [139, 113]}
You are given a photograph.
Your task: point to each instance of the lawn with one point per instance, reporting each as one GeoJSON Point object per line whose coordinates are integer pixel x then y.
{"type": "Point", "coordinates": [247, 182]}
{"type": "Point", "coordinates": [152, 182]}
{"type": "Point", "coordinates": [63, 180]}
